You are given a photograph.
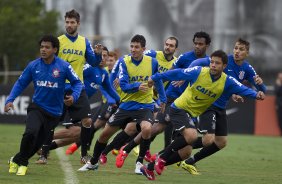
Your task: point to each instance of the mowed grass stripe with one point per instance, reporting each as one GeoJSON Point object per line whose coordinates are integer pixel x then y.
{"type": "Point", "coordinates": [69, 173]}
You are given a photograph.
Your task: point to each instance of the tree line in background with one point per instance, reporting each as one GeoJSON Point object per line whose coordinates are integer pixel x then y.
{"type": "Point", "coordinates": [22, 23]}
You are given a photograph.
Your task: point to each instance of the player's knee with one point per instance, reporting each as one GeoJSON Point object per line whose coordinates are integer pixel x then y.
{"type": "Point", "coordinates": [146, 128]}
{"type": "Point", "coordinates": [86, 122]}
{"type": "Point", "coordinates": [190, 135]}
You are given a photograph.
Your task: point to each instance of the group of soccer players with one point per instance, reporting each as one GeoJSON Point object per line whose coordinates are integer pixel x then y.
{"type": "Point", "coordinates": [146, 92]}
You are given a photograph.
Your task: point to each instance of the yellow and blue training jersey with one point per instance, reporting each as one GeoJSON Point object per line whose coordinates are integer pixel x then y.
{"type": "Point", "coordinates": [76, 51]}
{"type": "Point", "coordinates": [239, 72]}
{"type": "Point", "coordinates": [203, 89]}
{"type": "Point", "coordinates": [131, 74]}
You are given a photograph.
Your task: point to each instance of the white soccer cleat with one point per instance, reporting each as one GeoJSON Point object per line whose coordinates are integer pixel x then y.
{"type": "Point", "coordinates": [88, 166]}
{"type": "Point", "coordinates": [138, 167]}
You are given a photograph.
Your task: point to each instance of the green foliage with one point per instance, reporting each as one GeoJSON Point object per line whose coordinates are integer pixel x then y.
{"type": "Point", "coordinates": [22, 23]}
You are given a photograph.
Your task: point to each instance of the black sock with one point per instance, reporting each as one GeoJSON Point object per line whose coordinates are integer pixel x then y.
{"type": "Point", "coordinates": [117, 142]}
{"type": "Point", "coordinates": [144, 146]}
{"type": "Point", "coordinates": [161, 152]}
{"type": "Point", "coordinates": [46, 144]}
{"type": "Point", "coordinates": [150, 166]}
{"type": "Point", "coordinates": [85, 139]}
{"type": "Point", "coordinates": [177, 144]}
{"type": "Point", "coordinates": [129, 139]}
{"type": "Point", "coordinates": [153, 138]}
{"type": "Point", "coordinates": [98, 148]}
{"type": "Point", "coordinates": [175, 157]}
{"type": "Point", "coordinates": [78, 143]}
{"type": "Point", "coordinates": [45, 150]}
{"type": "Point", "coordinates": [130, 146]}
{"type": "Point", "coordinates": [198, 143]}
{"type": "Point", "coordinates": [204, 152]}
{"type": "Point", "coordinates": [92, 134]}
{"type": "Point", "coordinates": [168, 135]}
{"type": "Point", "coordinates": [53, 145]}
{"type": "Point", "coordinates": [122, 140]}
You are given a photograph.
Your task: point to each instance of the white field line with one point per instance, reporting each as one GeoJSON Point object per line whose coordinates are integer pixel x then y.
{"type": "Point", "coordinates": [70, 175]}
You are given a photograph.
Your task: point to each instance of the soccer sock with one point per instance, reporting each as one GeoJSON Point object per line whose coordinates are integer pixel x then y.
{"type": "Point", "coordinates": [175, 157]}
{"type": "Point", "coordinates": [78, 143]}
{"type": "Point", "coordinates": [85, 139]}
{"type": "Point", "coordinates": [117, 142]}
{"type": "Point", "coordinates": [121, 140]}
{"type": "Point", "coordinates": [177, 144]}
{"type": "Point", "coordinates": [198, 143]}
{"type": "Point", "coordinates": [168, 135]}
{"type": "Point", "coordinates": [205, 152]}
{"type": "Point", "coordinates": [153, 138]}
{"type": "Point", "coordinates": [144, 146]}
{"type": "Point", "coordinates": [130, 146]}
{"type": "Point", "coordinates": [161, 152]}
{"type": "Point", "coordinates": [131, 138]}
{"type": "Point", "coordinates": [53, 145]}
{"type": "Point", "coordinates": [46, 144]}
{"type": "Point", "coordinates": [92, 134]}
{"type": "Point", "coordinates": [98, 148]}
{"type": "Point", "coordinates": [45, 150]}
{"type": "Point", "coordinates": [150, 166]}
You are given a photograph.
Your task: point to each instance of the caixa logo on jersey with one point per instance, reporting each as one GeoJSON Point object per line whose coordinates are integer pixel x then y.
{"type": "Point", "coordinates": [56, 73]}
{"type": "Point", "coordinates": [47, 84]}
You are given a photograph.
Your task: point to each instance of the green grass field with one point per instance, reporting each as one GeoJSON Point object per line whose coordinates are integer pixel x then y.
{"type": "Point", "coordinates": [246, 159]}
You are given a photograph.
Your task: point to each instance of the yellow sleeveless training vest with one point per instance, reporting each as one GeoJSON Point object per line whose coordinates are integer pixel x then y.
{"type": "Point", "coordinates": [201, 95]}
{"type": "Point", "coordinates": [74, 53]}
{"type": "Point", "coordinates": [140, 73]}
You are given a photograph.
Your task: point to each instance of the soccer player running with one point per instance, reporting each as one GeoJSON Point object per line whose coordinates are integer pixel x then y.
{"type": "Point", "coordinates": [201, 42]}
{"type": "Point", "coordinates": [213, 122]}
{"type": "Point", "coordinates": [206, 86]}
{"type": "Point", "coordinates": [165, 60]}
{"type": "Point", "coordinates": [48, 74]}
{"type": "Point", "coordinates": [136, 99]}
{"type": "Point", "coordinates": [76, 50]}
{"type": "Point", "coordinates": [98, 78]}
{"type": "Point", "coordinates": [95, 78]}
